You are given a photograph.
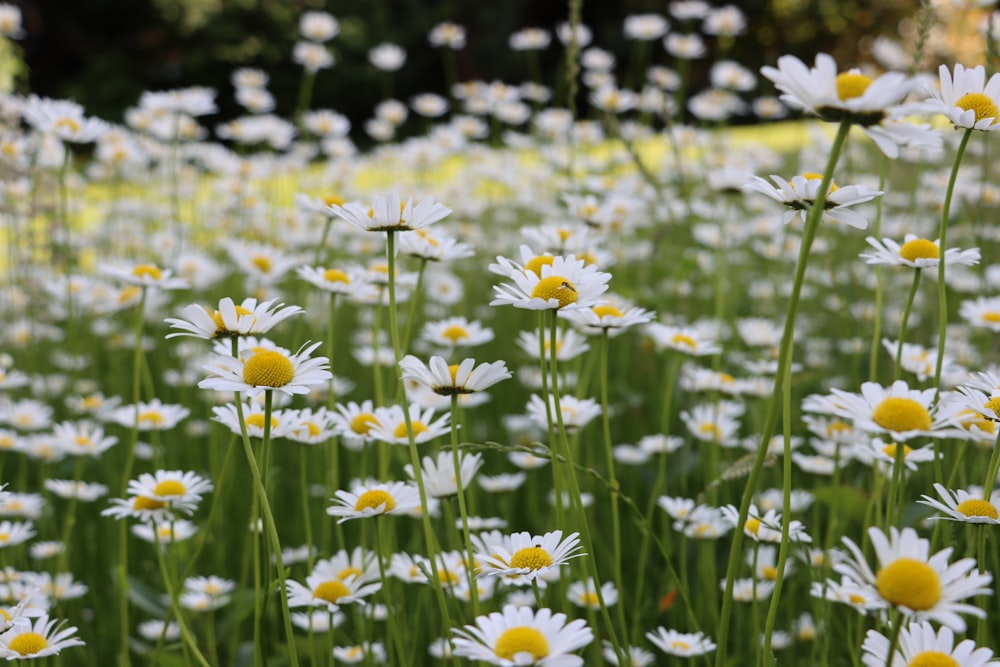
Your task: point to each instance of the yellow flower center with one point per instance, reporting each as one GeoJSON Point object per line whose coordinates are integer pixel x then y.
{"type": "Point", "coordinates": [521, 640]}
{"type": "Point", "coordinates": [983, 105]}
{"type": "Point", "coordinates": [994, 405]}
{"type": "Point", "coordinates": [363, 423]}
{"type": "Point", "coordinates": [901, 414]}
{"type": "Point", "coordinates": [836, 427]}
{"type": "Point", "coordinates": [532, 558]}
{"type": "Point", "coordinates": [854, 598]}
{"type": "Point", "coordinates": [417, 426]}
{"type": "Point", "coordinates": [257, 419]}
{"type": "Point", "coordinates": [991, 316]}
{"type": "Point", "coordinates": [311, 429]}
{"type": "Point", "coordinates": [147, 271]}
{"type": "Point", "coordinates": [535, 264]}
{"type": "Point", "coordinates": [978, 507]}
{"type": "Point", "coordinates": [170, 487]}
{"type": "Point", "coordinates": [217, 317]}
{"type": "Point", "coordinates": [684, 339]}
{"type": "Point", "coordinates": [151, 416]}
{"type": "Point", "coordinates": [852, 84]}
{"type": "Point", "coordinates": [919, 249]}
{"type": "Point", "coordinates": [262, 262]}
{"type": "Point", "coordinates": [752, 525]}
{"type": "Point", "coordinates": [932, 659]}
{"type": "Point", "coordinates": [374, 499]}
{"type": "Point", "coordinates": [336, 276]}
{"type": "Point", "coordinates": [681, 644]}
{"type": "Point", "coordinates": [349, 572]}
{"type": "Point", "coordinates": [73, 126]}
{"type": "Point", "coordinates": [890, 451]}
{"type": "Point", "coordinates": [330, 200]}
{"type": "Point", "coordinates": [972, 418]}
{"type": "Point", "coordinates": [28, 643]}
{"type": "Point", "coordinates": [455, 333]}
{"type": "Point", "coordinates": [144, 503]}
{"type": "Point", "coordinates": [268, 368]}
{"type": "Point", "coordinates": [770, 573]}
{"type": "Point", "coordinates": [601, 311]}
{"type": "Point", "coordinates": [909, 583]}
{"type": "Point", "coordinates": [331, 591]}
{"type": "Point", "coordinates": [128, 293]}
{"type": "Point", "coordinates": [453, 369]}
{"type": "Point", "coordinates": [589, 599]}
{"type": "Point", "coordinates": [555, 287]}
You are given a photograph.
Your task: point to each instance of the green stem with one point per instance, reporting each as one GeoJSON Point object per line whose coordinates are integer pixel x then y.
{"type": "Point", "coordinates": [186, 635]}
{"type": "Point", "coordinates": [463, 510]}
{"type": "Point", "coordinates": [880, 283]}
{"type": "Point", "coordinates": [942, 240]}
{"type": "Point", "coordinates": [615, 516]}
{"type": "Point", "coordinates": [784, 357]}
{"type": "Point", "coordinates": [902, 325]}
{"type": "Point", "coordinates": [992, 469]}
{"type": "Point", "coordinates": [418, 474]}
{"type": "Point", "coordinates": [413, 304]}
{"type": "Point", "coordinates": [391, 616]}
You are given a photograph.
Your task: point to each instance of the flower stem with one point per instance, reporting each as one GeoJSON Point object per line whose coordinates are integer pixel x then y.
{"type": "Point", "coordinates": [186, 635]}
{"type": "Point", "coordinates": [418, 474]}
{"type": "Point", "coordinates": [784, 361]}
{"type": "Point", "coordinates": [942, 236]}
{"type": "Point", "coordinates": [463, 510]}
{"type": "Point", "coordinates": [902, 325]}
{"type": "Point", "coordinates": [992, 469]}
{"type": "Point", "coordinates": [880, 284]}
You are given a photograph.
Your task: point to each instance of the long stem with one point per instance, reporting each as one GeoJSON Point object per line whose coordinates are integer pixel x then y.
{"type": "Point", "coordinates": [186, 635]}
{"type": "Point", "coordinates": [942, 236]}
{"type": "Point", "coordinates": [902, 325]}
{"type": "Point", "coordinates": [418, 474]}
{"type": "Point", "coordinates": [463, 510]}
{"type": "Point", "coordinates": [784, 359]}
{"type": "Point", "coordinates": [992, 469]}
{"type": "Point", "coordinates": [879, 286]}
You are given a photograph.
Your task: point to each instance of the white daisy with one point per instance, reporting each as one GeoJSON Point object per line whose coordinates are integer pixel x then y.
{"type": "Point", "coordinates": [523, 556]}
{"type": "Point", "coordinates": [898, 411]}
{"type": "Point", "coordinates": [521, 636]}
{"type": "Point", "coordinates": [967, 99]}
{"type": "Point", "coordinates": [329, 586]}
{"type": "Point", "coordinates": [37, 639]}
{"type": "Point", "coordinates": [247, 318]}
{"type": "Point", "coordinates": [681, 644]}
{"type": "Point", "coordinates": [801, 192]}
{"type": "Point", "coordinates": [144, 275]}
{"type": "Point", "coordinates": [376, 499]}
{"type": "Point", "coordinates": [456, 332]}
{"type": "Point", "coordinates": [917, 253]}
{"type": "Point", "coordinates": [960, 505]}
{"type": "Point", "coordinates": [439, 474]}
{"type": "Point", "coordinates": [983, 311]}
{"type": "Point", "coordinates": [566, 283]}
{"type": "Point", "coordinates": [390, 214]}
{"type": "Point", "coordinates": [463, 378]}
{"type": "Point", "coordinates": [390, 425]}
{"type": "Point", "coordinates": [922, 586]}
{"type": "Point", "coordinates": [920, 644]}
{"type": "Point", "coordinates": [268, 370]}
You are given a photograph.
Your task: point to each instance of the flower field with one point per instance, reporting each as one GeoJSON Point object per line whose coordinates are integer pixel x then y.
{"type": "Point", "coordinates": [536, 386]}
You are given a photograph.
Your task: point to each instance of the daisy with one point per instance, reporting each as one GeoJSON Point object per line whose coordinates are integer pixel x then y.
{"type": "Point", "coordinates": [85, 491]}
{"type": "Point", "coordinates": [57, 587]}
{"type": "Point", "coordinates": [253, 419]}
{"type": "Point", "coordinates": [502, 482]}
{"type": "Point", "coordinates": [521, 636]}
{"type": "Point", "coordinates": [637, 657]}
{"type": "Point", "coordinates": [801, 193]}
{"type": "Point", "coordinates": [310, 426]}
{"type": "Point", "coordinates": [583, 594]}
{"type": "Point", "coordinates": [681, 644]}
{"type": "Point", "coordinates": [166, 532]}
{"type": "Point", "coordinates": [921, 586]}
{"type": "Point", "coordinates": [967, 99]}
{"type": "Point", "coordinates": [576, 413]}
{"type": "Point", "coordinates": [898, 411]}
{"type": "Point", "coordinates": [390, 214]}
{"type": "Point", "coordinates": [155, 630]}
{"type": "Point", "coordinates": [433, 248]}
{"type": "Point", "coordinates": [247, 318]}
{"type": "Point", "coordinates": [523, 556]}
{"type": "Point", "coordinates": [268, 370]}
{"type": "Point", "coordinates": [390, 425]}
{"type": "Point", "coordinates": [83, 437]}
{"type": "Point", "coordinates": [685, 339]}
{"type": "Point", "coordinates": [354, 421]}
{"type": "Point", "coordinates": [374, 499]}
{"type": "Point", "coordinates": [569, 345]}
{"type": "Point", "coordinates": [14, 533]}
{"type": "Point", "coordinates": [710, 423]}
{"type": "Point", "coordinates": [765, 527]}
{"type": "Point", "coordinates": [144, 275]}
{"type": "Point", "coordinates": [354, 655]}
{"type": "Point", "coordinates": [149, 416]}
{"type": "Point", "coordinates": [37, 639]}
{"type": "Point", "coordinates": [330, 586]}
{"type": "Point", "coordinates": [982, 312]}
{"type": "Point", "coordinates": [919, 644]}
{"type": "Point", "coordinates": [318, 621]}
{"type": "Point", "coordinates": [917, 253]}
{"type": "Point", "coordinates": [206, 593]}
{"type": "Point", "coordinates": [170, 487]}
{"type": "Point", "coordinates": [960, 505]}
{"type": "Point", "coordinates": [333, 281]}
{"type": "Point", "coordinates": [566, 283]}
{"type": "Point", "coordinates": [463, 378]}
{"type": "Point", "coordinates": [456, 332]}
{"type": "Point", "coordinates": [607, 318]}
{"type": "Point", "coordinates": [440, 479]}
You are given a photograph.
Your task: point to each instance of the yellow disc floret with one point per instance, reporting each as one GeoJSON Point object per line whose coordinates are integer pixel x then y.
{"type": "Point", "coordinates": [331, 591]}
{"type": "Point", "coordinates": [994, 405]}
{"type": "Point", "coordinates": [28, 643]}
{"type": "Point", "coordinates": [982, 104]}
{"type": "Point", "coordinates": [374, 499]}
{"type": "Point", "coordinates": [363, 423]}
{"type": "Point", "coordinates": [535, 264]}
{"type": "Point", "coordinates": [521, 640]}
{"type": "Point", "coordinates": [851, 85]}
{"type": "Point", "coordinates": [147, 271]}
{"type": "Point", "coordinates": [932, 659]}
{"type": "Point", "coordinates": [919, 249]}
{"type": "Point", "coordinates": [257, 419]}
{"type": "Point", "coordinates": [455, 333]}
{"type": "Point", "coordinates": [532, 558]}
{"type": "Point", "coordinates": [417, 426]}
{"type": "Point", "coordinates": [601, 311]}
{"type": "Point", "coordinates": [144, 503]}
{"type": "Point", "coordinates": [336, 276]}
{"type": "Point", "coordinates": [268, 368]}
{"type": "Point", "coordinates": [910, 583]}
{"type": "Point", "coordinates": [901, 414]}
{"type": "Point", "coordinates": [220, 325]}
{"type": "Point", "coordinates": [555, 287]}
{"type": "Point", "coordinates": [170, 487]}
{"type": "Point", "coordinates": [978, 507]}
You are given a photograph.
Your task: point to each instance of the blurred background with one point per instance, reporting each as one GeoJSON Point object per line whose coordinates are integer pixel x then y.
{"type": "Point", "coordinates": [105, 53]}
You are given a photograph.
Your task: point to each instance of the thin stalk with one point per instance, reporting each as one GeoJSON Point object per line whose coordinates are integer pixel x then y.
{"type": "Point", "coordinates": [879, 285]}
{"type": "Point", "coordinates": [992, 469]}
{"type": "Point", "coordinates": [186, 635]}
{"type": "Point", "coordinates": [902, 325]}
{"type": "Point", "coordinates": [390, 617]}
{"type": "Point", "coordinates": [463, 510]}
{"type": "Point", "coordinates": [784, 359]}
{"type": "Point", "coordinates": [943, 236]}
{"type": "Point", "coordinates": [610, 459]}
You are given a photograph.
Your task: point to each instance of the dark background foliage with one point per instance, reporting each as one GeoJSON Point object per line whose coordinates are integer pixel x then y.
{"type": "Point", "coordinates": [104, 53]}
